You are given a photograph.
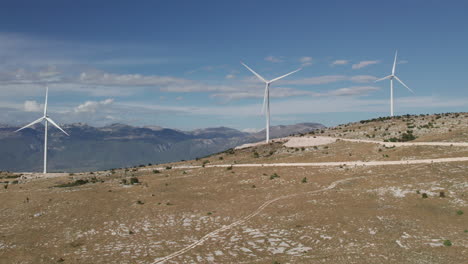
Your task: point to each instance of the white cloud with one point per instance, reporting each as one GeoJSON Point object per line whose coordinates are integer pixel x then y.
{"type": "Point", "coordinates": [282, 92]}
{"type": "Point", "coordinates": [273, 59]}
{"type": "Point", "coordinates": [32, 106]}
{"type": "Point", "coordinates": [326, 79]}
{"type": "Point", "coordinates": [230, 76]}
{"type": "Point", "coordinates": [339, 62]}
{"type": "Point", "coordinates": [305, 61]}
{"type": "Point", "coordinates": [92, 106]}
{"type": "Point", "coordinates": [317, 80]}
{"type": "Point", "coordinates": [259, 93]}
{"type": "Point", "coordinates": [363, 64]}
{"type": "Point", "coordinates": [402, 62]}
{"type": "Point", "coordinates": [353, 91]}
{"type": "Point", "coordinates": [362, 78]}
{"type": "Point", "coordinates": [102, 78]}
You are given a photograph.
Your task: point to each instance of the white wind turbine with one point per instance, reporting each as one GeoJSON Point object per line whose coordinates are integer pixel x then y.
{"type": "Point", "coordinates": [47, 120]}
{"type": "Point", "coordinates": [266, 97]}
{"type": "Point", "coordinates": [391, 77]}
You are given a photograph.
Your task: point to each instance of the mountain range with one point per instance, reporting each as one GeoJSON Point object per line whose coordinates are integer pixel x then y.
{"type": "Point", "coordinates": [91, 148]}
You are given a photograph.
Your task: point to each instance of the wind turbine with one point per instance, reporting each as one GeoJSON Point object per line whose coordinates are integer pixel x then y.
{"type": "Point", "coordinates": [47, 120]}
{"type": "Point", "coordinates": [266, 97]}
{"type": "Point", "coordinates": [391, 77]}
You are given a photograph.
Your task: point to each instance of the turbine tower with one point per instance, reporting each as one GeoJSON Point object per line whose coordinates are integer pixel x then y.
{"type": "Point", "coordinates": [391, 77]}
{"type": "Point", "coordinates": [266, 97]}
{"type": "Point", "coordinates": [47, 120]}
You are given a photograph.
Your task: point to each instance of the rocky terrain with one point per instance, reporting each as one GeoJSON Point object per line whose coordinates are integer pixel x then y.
{"type": "Point", "coordinates": [384, 210]}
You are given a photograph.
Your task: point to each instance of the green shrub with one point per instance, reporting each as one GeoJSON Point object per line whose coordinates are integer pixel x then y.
{"type": "Point", "coordinates": [168, 167]}
{"type": "Point", "coordinates": [274, 176]}
{"type": "Point", "coordinates": [424, 195]}
{"type": "Point", "coordinates": [134, 180]}
{"type": "Point", "coordinates": [459, 212]}
{"type": "Point", "coordinates": [447, 243]}
{"type": "Point", "coordinates": [72, 184]}
{"type": "Point", "coordinates": [304, 180]}
{"type": "Point", "coordinates": [255, 155]}
{"type": "Point", "coordinates": [156, 171]}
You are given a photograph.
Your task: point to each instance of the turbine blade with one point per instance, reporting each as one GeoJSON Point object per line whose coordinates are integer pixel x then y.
{"type": "Point", "coordinates": [30, 124]}
{"type": "Point", "coordinates": [57, 126]}
{"type": "Point", "coordinates": [281, 77]}
{"type": "Point", "coordinates": [45, 105]}
{"type": "Point", "coordinates": [256, 74]}
{"type": "Point", "coordinates": [394, 63]}
{"type": "Point", "coordinates": [384, 78]}
{"type": "Point", "coordinates": [398, 79]}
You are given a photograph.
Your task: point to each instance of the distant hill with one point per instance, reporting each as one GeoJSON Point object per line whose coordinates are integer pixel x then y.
{"type": "Point", "coordinates": [95, 148]}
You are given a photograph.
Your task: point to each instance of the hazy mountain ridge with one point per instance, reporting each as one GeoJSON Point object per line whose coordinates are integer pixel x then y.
{"type": "Point", "coordinates": [119, 145]}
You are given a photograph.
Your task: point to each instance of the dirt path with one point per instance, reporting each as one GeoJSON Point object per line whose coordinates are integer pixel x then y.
{"type": "Point", "coordinates": [243, 220]}
{"type": "Point", "coordinates": [295, 142]}
{"type": "Point", "coordinates": [401, 144]}
{"type": "Point", "coordinates": [327, 164]}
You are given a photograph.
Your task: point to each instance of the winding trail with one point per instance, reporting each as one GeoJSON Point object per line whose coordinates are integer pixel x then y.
{"type": "Point", "coordinates": [245, 219]}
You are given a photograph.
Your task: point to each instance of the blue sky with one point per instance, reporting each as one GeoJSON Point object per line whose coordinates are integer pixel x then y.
{"type": "Point", "coordinates": [176, 63]}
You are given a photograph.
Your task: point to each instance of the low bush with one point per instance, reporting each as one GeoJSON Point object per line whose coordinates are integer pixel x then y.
{"type": "Point", "coordinates": [274, 176]}
{"type": "Point", "coordinates": [72, 184]}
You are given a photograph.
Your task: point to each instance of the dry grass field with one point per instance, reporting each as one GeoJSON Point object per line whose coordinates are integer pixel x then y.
{"type": "Point", "coordinates": [342, 214]}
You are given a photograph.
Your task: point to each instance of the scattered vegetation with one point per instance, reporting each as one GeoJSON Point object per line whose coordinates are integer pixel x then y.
{"type": "Point", "coordinates": [447, 243]}
{"type": "Point", "coordinates": [274, 176]}
{"type": "Point", "coordinates": [72, 184]}
{"type": "Point", "coordinates": [131, 181]}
